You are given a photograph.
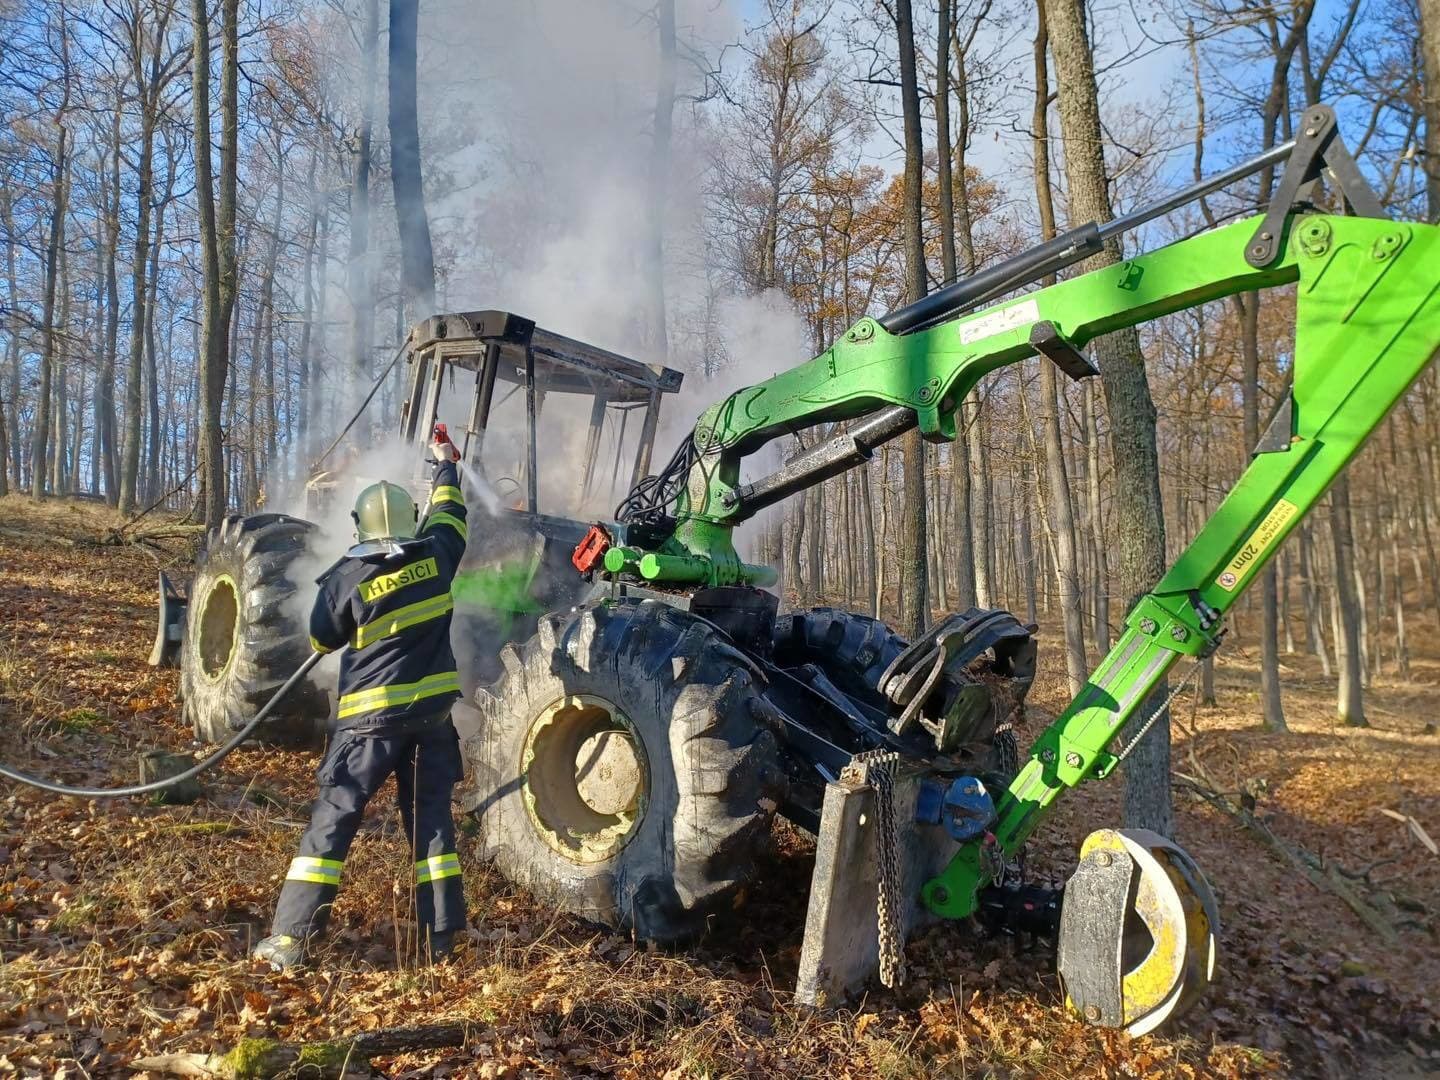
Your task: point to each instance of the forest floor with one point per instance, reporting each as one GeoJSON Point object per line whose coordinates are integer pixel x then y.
{"type": "Point", "coordinates": [124, 926]}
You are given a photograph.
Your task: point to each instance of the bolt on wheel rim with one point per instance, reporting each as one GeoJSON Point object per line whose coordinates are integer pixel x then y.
{"type": "Point", "coordinates": [585, 779]}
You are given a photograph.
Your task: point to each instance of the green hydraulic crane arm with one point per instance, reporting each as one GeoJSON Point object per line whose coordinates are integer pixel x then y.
{"type": "Point", "coordinates": [918, 378]}
{"type": "Point", "coordinates": [1367, 321]}
{"type": "Point", "coordinates": [1367, 318]}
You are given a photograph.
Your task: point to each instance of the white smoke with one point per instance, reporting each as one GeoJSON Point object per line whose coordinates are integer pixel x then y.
{"type": "Point", "coordinates": [537, 132]}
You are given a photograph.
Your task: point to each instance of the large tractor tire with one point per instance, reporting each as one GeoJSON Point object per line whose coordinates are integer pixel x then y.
{"type": "Point", "coordinates": [854, 651]}
{"type": "Point", "coordinates": [619, 770]}
{"type": "Point", "coordinates": [245, 634]}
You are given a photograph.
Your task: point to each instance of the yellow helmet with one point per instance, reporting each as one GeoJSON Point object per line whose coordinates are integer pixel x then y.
{"type": "Point", "coordinates": [385, 511]}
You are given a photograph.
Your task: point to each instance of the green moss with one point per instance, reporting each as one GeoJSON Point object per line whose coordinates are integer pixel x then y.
{"type": "Point", "coordinates": [326, 1057]}
{"type": "Point", "coordinates": [80, 720]}
{"type": "Point", "coordinates": [258, 1059]}
{"type": "Point", "coordinates": [250, 1057]}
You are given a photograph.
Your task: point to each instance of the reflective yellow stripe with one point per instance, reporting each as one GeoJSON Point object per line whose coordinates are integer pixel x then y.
{"type": "Point", "coordinates": [409, 574]}
{"type": "Point", "coordinates": [443, 518]}
{"type": "Point", "coordinates": [436, 867]}
{"type": "Point", "coordinates": [446, 493]}
{"type": "Point", "coordinates": [314, 644]}
{"type": "Point", "coordinates": [384, 697]}
{"type": "Point", "coordinates": [319, 871]}
{"type": "Point", "coordinates": [392, 622]}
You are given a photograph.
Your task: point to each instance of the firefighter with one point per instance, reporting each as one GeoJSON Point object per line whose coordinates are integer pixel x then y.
{"type": "Point", "coordinates": [389, 601]}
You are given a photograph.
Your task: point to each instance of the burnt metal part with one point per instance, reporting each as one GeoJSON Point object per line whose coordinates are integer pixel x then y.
{"type": "Point", "coordinates": [746, 615]}
{"type": "Point", "coordinates": [170, 631]}
{"type": "Point", "coordinates": [1033, 910]}
{"type": "Point", "coordinates": [957, 713]}
{"type": "Point", "coordinates": [480, 404]}
{"type": "Point", "coordinates": [563, 364]}
{"type": "Point", "coordinates": [532, 473]}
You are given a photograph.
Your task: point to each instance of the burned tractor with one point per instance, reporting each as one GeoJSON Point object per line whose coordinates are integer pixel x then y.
{"type": "Point", "coordinates": [653, 709]}
{"type": "Point", "coordinates": [240, 629]}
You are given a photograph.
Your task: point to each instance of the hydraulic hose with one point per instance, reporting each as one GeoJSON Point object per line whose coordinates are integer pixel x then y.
{"type": "Point", "coordinates": [195, 770]}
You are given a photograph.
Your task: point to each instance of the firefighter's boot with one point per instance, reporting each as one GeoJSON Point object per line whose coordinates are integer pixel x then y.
{"type": "Point", "coordinates": [281, 951]}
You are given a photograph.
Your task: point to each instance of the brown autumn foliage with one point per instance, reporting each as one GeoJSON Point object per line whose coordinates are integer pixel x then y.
{"type": "Point", "coordinates": [124, 925]}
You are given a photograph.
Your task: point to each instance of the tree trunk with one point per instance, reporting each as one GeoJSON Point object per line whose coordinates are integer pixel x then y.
{"type": "Point", "coordinates": [1310, 598]}
{"type": "Point", "coordinates": [59, 473]}
{"type": "Point", "coordinates": [15, 456]}
{"type": "Point", "coordinates": [1099, 541]}
{"type": "Point", "coordinates": [1139, 524]}
{"type": "Point", "coordinates": [267, 312]}
{"type": "Point", "coordinates": [417, 259]}
{"type": "Point", "coordinates": [914, 610]}
{"type": "Point", "coordinates": [139, 289]}
{"type": "Point", "coordinates": [361, 287]}
{"type": "Point", "coordinates": [155, 482]}
{"type": "Point", "coordinates": [1272, 708]}
{"type": "Point", "coordinates": [795, 542]}
{"type": "Point", "coordinates": [658, 182]}
{"type": "Point", "coordinates": [217, 246]}
{"type": "Point", "coordinates": [40, 445]}
{"type": "Point", "coordinates": [1061, 513]}
{"type": "Point", "coordinates": [1430, 88]}
{"type": "Point", "coordinates": [872, 555]}
{"type": "Point", "coordinates": [1349, 704]}
{"type": "Point", "coordinates": [981, 525]}
{"type": "Point", "coordinates": [106, 399]}
{"type": "Point", "coordinates": [964, 553]}
{"type": "Point", "coordinates": [304, 420]}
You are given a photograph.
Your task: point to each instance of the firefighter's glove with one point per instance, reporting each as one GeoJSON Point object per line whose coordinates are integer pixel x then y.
{"type": "Point", "coordinates": [444, 450]}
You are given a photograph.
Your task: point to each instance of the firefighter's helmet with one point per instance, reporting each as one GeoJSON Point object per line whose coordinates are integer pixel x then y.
{"type": "Point", "coordinates": [385, 511]}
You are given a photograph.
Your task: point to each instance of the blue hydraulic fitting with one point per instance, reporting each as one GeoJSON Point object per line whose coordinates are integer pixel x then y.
{"type": "Point", "coordinates": [968, 810]}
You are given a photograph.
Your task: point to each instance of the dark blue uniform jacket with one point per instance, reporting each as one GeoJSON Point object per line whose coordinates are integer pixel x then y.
{"type": "Point", "coordinates": [394, 613]}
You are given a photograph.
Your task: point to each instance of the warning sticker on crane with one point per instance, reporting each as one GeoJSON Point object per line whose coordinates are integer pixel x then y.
{"type": "Point", "coordinates": [1250, 551]}
{"type": "Point", "coordinates": [999, 320]}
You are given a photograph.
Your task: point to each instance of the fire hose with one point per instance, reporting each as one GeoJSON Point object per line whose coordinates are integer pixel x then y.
{"type": "Point", "coordinates": [195, 770]}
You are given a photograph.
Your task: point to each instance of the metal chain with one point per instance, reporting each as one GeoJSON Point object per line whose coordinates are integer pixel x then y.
{"type": "Point", "coordinates": [880, 768]}
{"type": "Point", "coordinates": [1150, 721]}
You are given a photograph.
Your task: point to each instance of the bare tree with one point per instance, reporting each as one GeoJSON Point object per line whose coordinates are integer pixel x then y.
{"type": "Point", "coordinates": [1349, 694]}
{"type": "Point", "coordinates": [1139, 527]}
{"type": "Point", "coordinates": [914, 610]}
{"type": "Point", "coordinates": [362, 288]}
{"type": "Point", "coordinates": [1057, 503]}
{"type": "Point", "coordinates": [40, 444]}
{"type": "Point", "coordinates": [417, 258]}
{"type": "Point", "coordinates": [217, 238]}
{"type": "Point", "coordinates": [146, 28]}
{"type": "Point", "coordinates": [1430, 88]}
{"type": "Point", "coordinates": [658, 181]}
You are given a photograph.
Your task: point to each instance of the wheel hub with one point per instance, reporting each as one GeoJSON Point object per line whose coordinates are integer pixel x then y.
{"type": "Point", "coordinates": [584, 777]}
{"type": "Point", "coordinates": [219, 623]}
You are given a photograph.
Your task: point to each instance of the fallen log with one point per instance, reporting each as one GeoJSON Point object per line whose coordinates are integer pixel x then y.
{"type": "Point", "coordinates": [263, 1059]}
{"type": "Point", "coordinates": [1326, 879]}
